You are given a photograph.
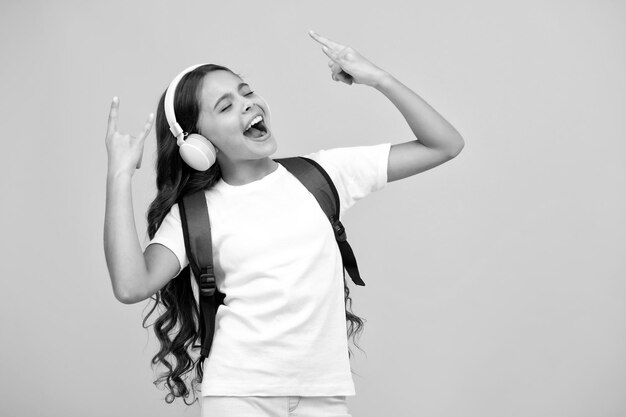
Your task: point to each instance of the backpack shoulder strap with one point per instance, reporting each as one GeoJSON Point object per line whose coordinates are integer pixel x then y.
{"type": "Point", "coordinates": [194, 215]}
{"type": "Point", "coordinates": [318, 182]}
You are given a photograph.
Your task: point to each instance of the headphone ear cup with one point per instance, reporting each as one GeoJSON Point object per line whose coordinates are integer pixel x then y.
{"type": "Point", "coordinates": [198, 152]}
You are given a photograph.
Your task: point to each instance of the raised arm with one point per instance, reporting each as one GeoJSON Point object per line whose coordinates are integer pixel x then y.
{"type": "Point", "coordinates": [134, 276]}
{"type": "Point", "coordinates": [437, 141]}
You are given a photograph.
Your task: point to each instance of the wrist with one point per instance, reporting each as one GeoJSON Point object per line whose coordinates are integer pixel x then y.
{"type": "Point", "coordinates": [118, 174]}
{"type": "Point", "coordinates": [382, 81]}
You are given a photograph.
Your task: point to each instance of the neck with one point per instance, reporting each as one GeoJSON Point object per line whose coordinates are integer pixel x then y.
{"type": "Point", "coordinates": [247, 171]}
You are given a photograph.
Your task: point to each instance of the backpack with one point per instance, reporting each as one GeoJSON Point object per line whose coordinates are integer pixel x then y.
{"type": "Point", "coordinates": [197, 233]}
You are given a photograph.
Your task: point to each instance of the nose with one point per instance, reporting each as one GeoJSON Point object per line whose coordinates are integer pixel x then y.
{"type": "Point", "coordinates": [248, 104]}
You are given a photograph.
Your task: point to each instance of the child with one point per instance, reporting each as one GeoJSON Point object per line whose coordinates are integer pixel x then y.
{"type": "Point", "coordinates": [280, 337]}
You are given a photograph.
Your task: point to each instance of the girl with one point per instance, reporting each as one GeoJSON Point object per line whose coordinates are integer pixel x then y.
{"type": "Point", "coordinates": [279, 347]}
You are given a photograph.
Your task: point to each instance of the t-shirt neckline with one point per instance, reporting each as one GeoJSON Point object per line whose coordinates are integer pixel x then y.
{"type": "Point", "coordinates": [254, 185]}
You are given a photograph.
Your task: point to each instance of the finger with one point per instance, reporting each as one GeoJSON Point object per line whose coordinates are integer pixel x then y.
{"type": "Point", "coordinates": [345, 78]}
{"type": "Point", "coordinates": [329, 53]}
{"type": "Point", "coordinates": [146, 127]}
{"type": "Point", "coordinates": [338, 71]}
{"type": "Point", "coordinates": [340, 75]}
{"type": "Point", "coordinates": [335, 69]}
{"type": "Point", "coordinates": [112, 125]}
{"type": "Point", "coordinates": [326, 42]}
{"type": "Point", "coordinates": [331, 63]}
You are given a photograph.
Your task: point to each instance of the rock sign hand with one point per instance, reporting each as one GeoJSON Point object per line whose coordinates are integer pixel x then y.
{"type": "Point", "coordinates": [347, 65]}
{"type": "Point", "coordinates": [124, 151]}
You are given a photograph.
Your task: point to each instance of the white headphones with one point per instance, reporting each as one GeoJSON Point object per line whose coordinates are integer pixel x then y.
{"type": "Point", "coordinates": [197, 151]}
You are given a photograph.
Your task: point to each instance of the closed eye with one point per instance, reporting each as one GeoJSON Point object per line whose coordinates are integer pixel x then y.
{"type": "Point", "coordinates": [251, 92]}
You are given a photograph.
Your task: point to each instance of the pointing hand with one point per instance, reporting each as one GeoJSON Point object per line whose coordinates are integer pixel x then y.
{"type": "Point", "coordinates": [347, 65]}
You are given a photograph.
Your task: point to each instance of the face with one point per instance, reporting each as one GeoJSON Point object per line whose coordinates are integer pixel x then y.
{"type": "Point", "coordinates": [223, 120]}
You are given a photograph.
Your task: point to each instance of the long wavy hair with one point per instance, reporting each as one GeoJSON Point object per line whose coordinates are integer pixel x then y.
{"type": "Point", "coordinates": [177, 326]}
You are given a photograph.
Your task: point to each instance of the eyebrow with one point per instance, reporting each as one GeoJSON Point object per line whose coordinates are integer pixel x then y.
{"type": "Point", "coordinates": [229, 94]}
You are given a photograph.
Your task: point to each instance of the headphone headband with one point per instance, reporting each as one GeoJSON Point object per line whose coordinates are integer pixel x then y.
{"type": "Point", "coordinates": [175, 128]}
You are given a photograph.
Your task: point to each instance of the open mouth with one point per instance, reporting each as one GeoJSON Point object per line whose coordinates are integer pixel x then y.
{"type": "Point", "coordinates": [257, 130]}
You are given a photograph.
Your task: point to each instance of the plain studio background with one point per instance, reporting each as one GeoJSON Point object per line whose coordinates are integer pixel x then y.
{"type": "Point", "coordinates": [495, 282]}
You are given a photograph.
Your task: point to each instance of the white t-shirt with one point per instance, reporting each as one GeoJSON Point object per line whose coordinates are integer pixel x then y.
{"type": "Point", "coordinates": [282, 328]}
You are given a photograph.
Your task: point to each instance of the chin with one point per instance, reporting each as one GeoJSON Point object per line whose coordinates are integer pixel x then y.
{"type": "Point", "coordinates": [271, 150]}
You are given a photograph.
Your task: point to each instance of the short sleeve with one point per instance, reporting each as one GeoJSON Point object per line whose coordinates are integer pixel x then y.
{"type": "Point", "coordinates": [170, 235]}
{"type": "Point", "coordinates": [356, 171]}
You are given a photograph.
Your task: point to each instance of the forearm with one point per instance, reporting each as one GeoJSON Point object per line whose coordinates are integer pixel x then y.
{"type": "Point", "coordinates": [428, 126]}
{"type": "Point", "coordinates": [124, 257]}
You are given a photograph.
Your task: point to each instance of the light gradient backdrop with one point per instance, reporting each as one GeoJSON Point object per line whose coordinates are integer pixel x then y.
{"type": "Point", "coordinates": [495, 282]}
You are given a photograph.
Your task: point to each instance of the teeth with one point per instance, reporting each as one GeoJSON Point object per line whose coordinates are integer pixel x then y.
{"type": "Point", "coordinates": [253, 121]}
